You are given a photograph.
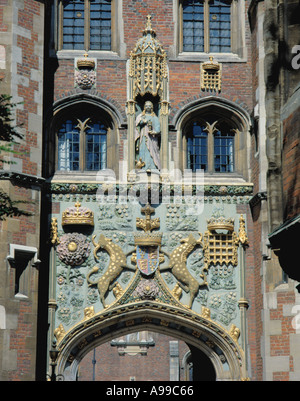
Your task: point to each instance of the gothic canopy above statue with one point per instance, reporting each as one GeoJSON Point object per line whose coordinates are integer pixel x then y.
{"type": "Point", "coordinates": [148, 66]}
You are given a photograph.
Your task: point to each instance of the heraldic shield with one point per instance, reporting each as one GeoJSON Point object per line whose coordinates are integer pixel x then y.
{"type": "Point", "coordinates": [147, 259]}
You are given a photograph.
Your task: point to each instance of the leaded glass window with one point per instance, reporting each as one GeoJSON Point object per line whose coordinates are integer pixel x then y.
{"type": "Point", "coordinates": [197, 148]}
{"type": "Point", "coordinates": [68, 146]}
{"type": "Point", "coordinates": [193, 26]}
{"type": "Point", "coordinates": [219, 26]}
{"type": "Point", "coordinates": [223, 152]}
{"type": "Point", "coordinates": [85, 24]}
{"type": "Point", "coordinates": [210, 145]}
{"type": "Point", "coordinates": [206, 26]}
{"type": "Point", "coordinates": [96, 147]}
{"type": "Point", "coordinates": [82, 145]}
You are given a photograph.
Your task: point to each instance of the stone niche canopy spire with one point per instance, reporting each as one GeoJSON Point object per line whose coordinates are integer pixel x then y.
{"type": "Point", "coordinates": [148, 65]}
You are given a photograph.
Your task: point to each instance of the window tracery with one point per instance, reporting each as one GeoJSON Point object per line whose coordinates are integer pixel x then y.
{"type": "Point", "coordinates": [82, 145]}
{"type": "Point", "coordinates": [210, 145]}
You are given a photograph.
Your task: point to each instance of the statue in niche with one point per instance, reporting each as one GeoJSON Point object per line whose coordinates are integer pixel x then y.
{"type": "Point", "coordinates": [146, 139]}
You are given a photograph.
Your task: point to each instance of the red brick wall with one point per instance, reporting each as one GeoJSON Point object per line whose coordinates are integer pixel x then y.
{"type": "Point", "coordinates": [280, 344]}
{"type": "Point", "coordinates": [111, 366]}
{"type": "Point", "coordinates": [184, 78]}
{"type": "Point", "coordinates": [253, 263]}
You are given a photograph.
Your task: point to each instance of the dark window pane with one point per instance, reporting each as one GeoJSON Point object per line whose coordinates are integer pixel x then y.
{"type": "Point", "coordinates": [193, 26]}
{"type": "Point", "coordinates": [220, 26]}
{"type": "Point", "coordinates": [224, 152]}
{"type": "Point", "coordinates": [73, 24]}
{"type": "Point", "coordinates": [96, 138]}
{"type": "Point", "coordinates": [197, 148]}
{"type": "Point", "coordinates": [100, 25]}
{"type": "Point", "coordinates": [68, 146]}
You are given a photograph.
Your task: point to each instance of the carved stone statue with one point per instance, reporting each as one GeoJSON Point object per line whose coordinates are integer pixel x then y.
{"type": "Point", "coordinates": [146, 139]}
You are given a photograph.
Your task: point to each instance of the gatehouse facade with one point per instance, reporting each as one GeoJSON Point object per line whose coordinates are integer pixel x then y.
{"type": "Point", "coordinates": [153, 167]}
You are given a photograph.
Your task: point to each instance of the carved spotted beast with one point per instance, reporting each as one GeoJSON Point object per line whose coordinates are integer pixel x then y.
{"type": "Point", "coordinates": [179, 269]}
{"type": "Point", "coordinates": [116, 265]}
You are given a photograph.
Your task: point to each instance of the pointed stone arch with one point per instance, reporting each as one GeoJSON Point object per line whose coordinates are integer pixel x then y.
{"type": "Point", "coordinates": [74, 103]}
{"type": "Point", "coordinates": [218, 345]}
{"type": "Point", "coordinates": [217, 108]}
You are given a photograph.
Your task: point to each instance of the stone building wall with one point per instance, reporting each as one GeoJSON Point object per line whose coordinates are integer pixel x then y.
{"type": "Point", "coordinates": [21, 70]}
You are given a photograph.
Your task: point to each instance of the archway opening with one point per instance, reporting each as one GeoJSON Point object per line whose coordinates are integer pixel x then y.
{"type": "Point", "coordinates": [146, 356]}
{"type": "Point", "coordinates": [223, 353]}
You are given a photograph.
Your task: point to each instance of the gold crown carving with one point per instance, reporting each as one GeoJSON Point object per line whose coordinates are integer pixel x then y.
{"type": "Point", "coordinates": [147, 238]}
{"type": "Point", "coordinates": [211, 65]}
{"type": "Point", "coordinates": [77, 215]}
{"type": "Point", "coordinates": [220, 223]}
{"type": "Point", "coordinates": [86, 62]}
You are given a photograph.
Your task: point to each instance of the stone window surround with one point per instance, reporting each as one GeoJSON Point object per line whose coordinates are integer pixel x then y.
{"type": "Point", "coordinates": [100, 110]}
{"type": "Point", "coordinates": [240, 122]}
{"type": "Point", "coordinates": [117, 45]}
{"type": "Point", "coordinates": [239, 50]}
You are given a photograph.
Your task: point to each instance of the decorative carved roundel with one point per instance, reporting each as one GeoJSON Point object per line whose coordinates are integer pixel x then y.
{"type": "Point", "coordinates": [73, 249]}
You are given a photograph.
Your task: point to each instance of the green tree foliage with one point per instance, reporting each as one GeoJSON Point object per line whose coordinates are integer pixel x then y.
{"type": "Point", "coordinates": [8, 138]}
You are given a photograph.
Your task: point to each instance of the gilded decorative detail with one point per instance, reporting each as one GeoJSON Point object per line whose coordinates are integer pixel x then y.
{"type": "Point", "coordinates": [115, 268]}
{"type": "Point", "coordinates": [147, 224]}
{"type": "Point", "coordinates": [205, 312]}
{"type": "Point", "coordinates": [177, 292]}
{"type": "Point", "coordinates": [148, 64]}
{"type": "Point", "coordinates": [220, 242]}
{"type": "Point", "coordinates": [59, 333]}
{"type": "Point", "coordinates": [198, 271]}
{"type": "Point", "coordinates": [242, 232]}
{"type": "Point", "coordinates": [211, 75]}
{"type": "Point", "coordinates": [85, 62]}
{"type": "Point", "coordinates": [77, 215]}
{"type": "Point", "coordinates": [177, 264]}
{"type": "Point", "coordinates": [118, 290]}
{"type": "Point", "coordinates": [220, 249]}
{"type": "Point", "coordinates": [89, 312]}
{"type": "Point", "coordinates": [235, 332]}
{"type": "Point", "coordinates": [54, 231]}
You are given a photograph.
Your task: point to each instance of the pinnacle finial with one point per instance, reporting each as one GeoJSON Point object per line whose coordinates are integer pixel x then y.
{"type": "Point", "coordinates": [149, 28]}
